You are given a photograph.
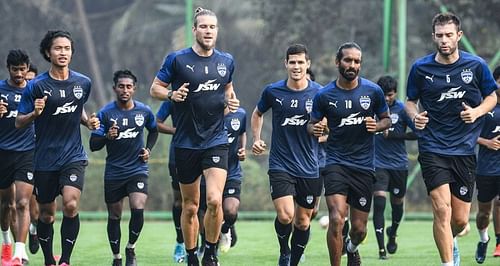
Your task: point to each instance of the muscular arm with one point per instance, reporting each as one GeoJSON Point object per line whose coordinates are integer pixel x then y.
{"type": "Point", "coordinates": [164, 128]}
{"type": "Point", "coordinates": [257, 121]}
{"type": "Point", "coordinates": [152, 138]}
{"type": "Point", "coordinates": [384, 122]}
{"type": "Point", "coordinates": [96, 142]}
{"type": "Point", "coordinates": [411, 108]}
{"type": "Point", "coordinates": [22, 120]}
{"type": "Point", "coordinates": [159, 89]}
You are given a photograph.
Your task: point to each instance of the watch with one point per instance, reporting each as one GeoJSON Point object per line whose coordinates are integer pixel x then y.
{"type": "Point", "coordinates": [170, 94]}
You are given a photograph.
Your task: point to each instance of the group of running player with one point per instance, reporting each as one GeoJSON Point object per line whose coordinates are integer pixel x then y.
{"type": "Point", "coordinates": [345, 139]}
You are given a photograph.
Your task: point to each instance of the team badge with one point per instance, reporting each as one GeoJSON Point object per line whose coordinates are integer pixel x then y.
{"type": "Point", "coordinates": [73, 177]}
{"type": "Point", "coordinates": [235, 124]}
{"type": "Point", "coordinates": [463, 190]}
{"type": "Point", "coordinates": [139, 120]}
{"type": "Point", "coordinates": [221, 69]}
{"type": "Point", "coordinates": [78, 91]}
{"type": "Point", "coordinates": [394, 118]}
{"type": "Point", "coordinates": [140, 185]}
{"type": "Point", "coordinates": [309, 105]}
{"type": "Point", "coordinates": [231, 191]}
{"type": "Point", "coordinates": [362, 201]}
{"type": "Point", "coordinates": [216, 159]}
{"type": "Point", "coordinates": [309, 199]}
{"type": "Point", "coordinates": [396, 191]}
{"type": "Point", "coordinates": [466, 76]}
{"type": "Point", "coordinates": [365, 102]}
{"type": "Point", "coordinates": [29, 175]}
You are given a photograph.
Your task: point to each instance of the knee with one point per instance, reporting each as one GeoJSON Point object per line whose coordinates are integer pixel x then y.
{"type": "Point", "coordinates": [214, 203]}
{"type": "Point", "coordinates": [22, 204]}
{"type": "Point", "coordinates": [482, 215]}
{"type": "Point", "coordinates": [285, 217]}
{"type": "Point", "coordinates": [230, 215]}
{"type": "Point", "coordinates": [358, 229]}
{"type": "Point", "coordinates": [189, 208]}
{"type": "Point", "coordinates": [336, 222]}
{"type": "Point", "coordinates": [46, 217]}
{"type": "Point", "coordinates": [302, 223]}
{"type": "Point", "coordinates": [442, 213]}
{"type": "Point", "coordinates": [70, 207]}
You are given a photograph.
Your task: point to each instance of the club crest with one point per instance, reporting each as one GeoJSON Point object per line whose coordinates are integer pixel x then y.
{"type": "Point", "coordinates": [78, 91]}
{"type": "Point", "coordinates": [309, 199]}
{"type": "Point", "coordinates": [235, 124]}
{"type": "Point", "coordinates": [365, 102]}
{"type": "Point", "coordinates": [140, 185]}
{"type": "Point", "coordinates": [221, 69]}
{"type": "Point", "coordinates": [466, 76]}
{"type": "Point", "coordinates": [139, 120]}
{"type": "Point", "coordinates": [309, 105]}
{"type": "Point", "coordinates": [216, 159]}
{"type": "Point", "coordinates": [394, 118]}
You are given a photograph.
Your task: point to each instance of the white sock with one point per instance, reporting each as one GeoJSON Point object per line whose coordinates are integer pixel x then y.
{"type": "Point", "coordinates": [483, 235]}
{"type": "Point", "coordinates": [20, 250]}
{"type": "Point", "coordinates": [6, 237]}
{"type": "Point", "coordinates": [32, 229]}
{"type": "Point", "coordinates": [117, 256]}
{"type": "Point", "coordinates": [130, 245]}
{"type": "Point", "coordinates": [351, 247]}
{"type": "Point", "coordinates": [446, 263]}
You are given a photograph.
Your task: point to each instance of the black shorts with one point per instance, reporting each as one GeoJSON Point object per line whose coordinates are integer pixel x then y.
{"type": "Point", "coordinates": [393, 181]}
{"type": "Point", "coordinates": [16, 165]}
{"type": "Point", "coordinates": [304, 190]}
{"type": "Point", "coordinates": [173, 175]}
{"type": "Point", "coordinates": [355, 183]}
{"type": "Point", "coordinates": [488, 187]}
{"type": "Point", "coordinates": [191, 163]}
{"type": "Point", "coordinates": [116, 190]}
{"type": "Point", "coordinates": [232, 189]}
{"type": "Point", "coordinates": [458, 171]}
{"type": "Point", "coordinates": [48, 184]}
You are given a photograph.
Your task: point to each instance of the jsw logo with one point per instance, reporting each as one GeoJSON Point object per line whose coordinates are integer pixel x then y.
{"type": "Point", "coordinates": [496, 130]}
{"type": "Point", "coordinates": [452, 94]}
{"type": "Point", "coordinates": [230, 138]}
{"type": "Point", "coordinates": [12, 114]}
{"type": "Point", "coordinates": [128, 134]}
{"type": "Point", "coordinates": [208, 86]}
{"type": "Point", "coordinates": [295, 121]}
{"type": "Point", "coordinates": [351, 120]}
{"type": "Point", "coordinates": [66, 108]}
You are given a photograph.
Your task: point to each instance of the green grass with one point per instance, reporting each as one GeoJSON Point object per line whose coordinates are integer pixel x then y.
{"type": "Point", "coordinates": [257, 245]}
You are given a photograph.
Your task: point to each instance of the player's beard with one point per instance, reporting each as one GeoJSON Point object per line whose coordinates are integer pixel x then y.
{"type": "Point", "coordinates": [204, 46]}
{"type": "Point", "coordinates": [350, 77]}
{"type": "Point", "coordinates": [451, 50]}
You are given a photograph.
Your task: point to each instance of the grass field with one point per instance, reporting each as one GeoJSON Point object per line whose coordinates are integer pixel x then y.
{"type": "Point", "coordinates": [257, 245]}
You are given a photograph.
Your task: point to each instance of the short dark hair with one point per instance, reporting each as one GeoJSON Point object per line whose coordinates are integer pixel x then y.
{"type": "Point", "coordinates": [297, 49]}
{"type": "Point", "coordinates": [17, 57]}
{"type": "Point", "coordinates": [123, 73]}
{"type": "Point", "coordinates": [496, 73]}
{"type": "Point", "coordinates": [200, 11]}
{"type": "Point", "coordinates": [347, 45]}
{"type": "Point", "coordinates": [48, 39]}
{"type": "Point", "coordinates": [33, 69]}
{"type": "Point", "coordinates": [388, 84]}
{"type": "Point", "coordinates": [445, 18]}
{"type": "Point", "coordinates": [311, 74]}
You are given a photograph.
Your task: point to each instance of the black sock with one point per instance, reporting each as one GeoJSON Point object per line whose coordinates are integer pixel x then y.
{"type": "Point", "coordinates": [299, 243]}
{"type": "Point", "coordinates": [46, 237]}
{"type": "Point", "coordinates": [283, 232]}
{"type": "Point", "coordinates": [498, 239]}
{"type": "Point", "coordinates": [397, 215]}
{"type": "Point", "coordinates": [229, 221]}
{"type": "Point", "coordinates": [70, 227]}
{"type": "Point", "coordinates": [192, 256]}
{"type": "Point", "coordinates": [345, 229]}
{"type": "Point", "coordinates": [135, 224]}
{"type": "Point", "coordinates": [209, 248]}
{"type": "Point", "coordinates": [176, 215]}
{"type": "Point", "coordinates": [114, 235]}
{"type": "Point", "coordinates": [378, 219]}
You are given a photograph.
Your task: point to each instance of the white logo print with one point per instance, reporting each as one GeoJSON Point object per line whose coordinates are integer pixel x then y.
{"type": "Point", "coordinates": [467, 76]}
{"type": "Point", "coordinates": [230, 139]}
{"type": "Point", "coordinates": [221, 69]}
{"type": "Point", "coordinates": [496, 130]}
{"type": "Point", "coordinates": [463, 190]}
{"type": "Point", "coordinates": [235, 124]}
{"type": "Point", "coordinates": [492, 113]}
{"type": "Point", "coordinates": [452, 94]}
{"type": "Point", "coordinates": [208, 86]}
{"type": "Point", "coordinates": [190, 67]}
{"type": "Point", "coordinates": [394, 118]}
{"type": "Point", "coordinates": [66, 108]}
{"type": "Point", "coordinates": [78, 91]}
{"type": "Point", "coordinates": [430, 78]}
{"type": "Point", "coordinates": [48, 92]}
{"type": "Point", "coordinates": [17, 98]}
{"type": "Point", "coordinates": [280, 101]}
{"type": "Point", "coordinates": [72, 242]}
{"type": "Point", "coordinates": [5, 96]}
{"type": "Point", "coordinates": [231, 191]}
{"type": "Point", "coordinates": [362, 201]}
{"type": "Point", "coordinates": [352, 119]}
{"type": "Point", "coordinates": [365, 102]}
{"type": "Point", "coordinates": [309, 199]}
{"type": "Point", "coordinates": [396, 191]}
{"type": "Point", "coordinates": [216, 159]}
{"type": "Point", "coordinates": [309, 105]}
{"type": "Point", "coordinates": [379, 230]}
{"type": "Point", "coordinates": [128, 134]}
{"type": "Point", "coordinates": [29, 175]}
{"type": "Point", "coordinates": [73, 177]}
{"type": "Point", "coordinates": [294, 121]}
{"type": "Point", "coordinates": [334, 104]}
{"type": "Point", "coordinates": [139, 119]}
{"type": "Point", "coordinates": [140, 185]}
{"type": "Point", "coordinates": [12, 113]}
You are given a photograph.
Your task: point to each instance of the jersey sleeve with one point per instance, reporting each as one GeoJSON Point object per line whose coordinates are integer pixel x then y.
{"type": "Point", "coordinates": [166, 71]}
{"type": "Point", "coordinates": [164, 111]}
{"type": "Point", "coordinates": [412, 90]}
{"type": "Point", "coordinates": [89, 89]}
{"type": "Point", "coordinates": [380, 103]}
{"type": "Point", "coordinates": [27, 104]}
{"type": "Point", "coordinates": [101, 131]}
{"type": "Point", "coordinates": [265, 101]}
{"type": "Point", "coordinates": [317, 113]}
{"type": "Point", "coordinates": [488, 84]}
{"type": "Point", "coordinates": [151, 121]}
{"type": "Point", "coordinates": [243, 127]}
{"type": "Point", "coordinates": [407, 120]}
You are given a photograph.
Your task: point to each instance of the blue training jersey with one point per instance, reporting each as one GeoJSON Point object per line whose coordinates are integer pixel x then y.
{"type": "Point", "coordinates": [166, 110]}
{"type": "Point", "coordinates": [123, 159]}
{"type": "Point", "coordinates": [349, 143]}
{"type": "Point", "coordinates": [441, 90]}
{"type": "Point", "coordinates": [200, 118]}
{"type": "Point", "coordinates": [488, 161]}
{"type": "Point", "coordinates": [11, 138]}
{"type": "Point", "coordinates": [236, 126]}
{"type": "Point", "coordinates": [391, 153]}
{"type": "Point", "coordinates": [293, 149]}
{"type": "Point", "coordinates": [57, 129]}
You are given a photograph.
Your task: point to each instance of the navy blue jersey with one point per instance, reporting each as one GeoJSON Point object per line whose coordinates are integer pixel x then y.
{"type": "Point", "coordinates": [123, 159]}
{"type": "Point", "coordinates": [441, 90]}
{"type": "Point", "coordinates": [488, 161]}
{"type": "Point", "coordinates": [166, 110]}
{"type": "Point", "coordinates": [349, 143]}
{"type": "Point", "coordinates": [57, 129]}
{"type": "Point", "coordinates": [11, 138]}
{"type": "Point", "coordinates": [390, 153]}
{"type": "Point", "coordinates": [200, 118]}
{"type": "Point", "coordinates": [293, 150]}
{"type": "Point", "coordinates": [236, 126]}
